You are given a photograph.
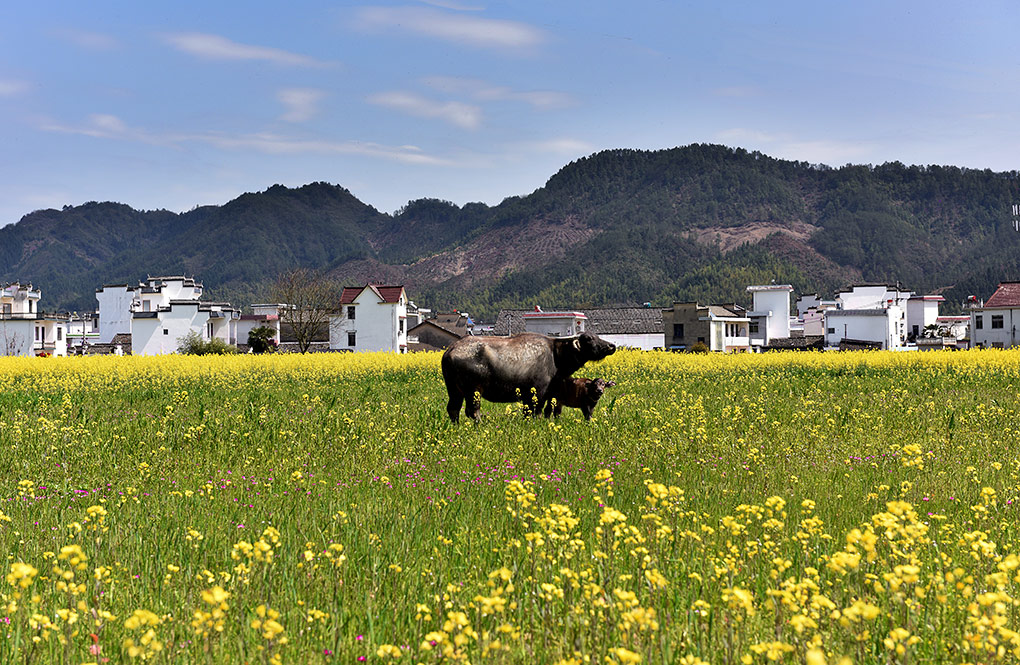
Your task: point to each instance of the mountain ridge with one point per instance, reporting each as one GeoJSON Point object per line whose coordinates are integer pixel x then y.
{"type": "Point", "coordinates": [698, 222]}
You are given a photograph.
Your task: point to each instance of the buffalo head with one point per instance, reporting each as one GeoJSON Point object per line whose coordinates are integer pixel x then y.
{"type": "Point", "coordinates": [593, 347]}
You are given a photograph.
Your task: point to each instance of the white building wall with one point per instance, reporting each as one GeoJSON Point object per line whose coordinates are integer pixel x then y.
{"type": "Point", "coordinates": [872, 296]}
{"type": "Point", "coordinates": [771, 311]}
{"type": "Point", "coordinates": [17, 338]}
{"type": "Point", "coordinates": [814, 323]}
{"type": "Point", "coordinates": [989, 337]}
{"type": "Point", "coordinates": [642, 341]}
{"type": "Point", "coordinates": [921, 312]}
{"type": "Point", "coordinates": [114, 311]}
{"type": "Point", "coordinates": [806, 302]}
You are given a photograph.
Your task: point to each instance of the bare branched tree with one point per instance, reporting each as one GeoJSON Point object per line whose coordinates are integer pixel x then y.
{"type": "Point", "coordinates": [311, 298]}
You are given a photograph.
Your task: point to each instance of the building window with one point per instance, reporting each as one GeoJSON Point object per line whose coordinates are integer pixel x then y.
{"type": "Point", "coordinates": [31, 306]}
{"type": "Point", "coordinates": [678, 330]}
{"type": "Point", "coordinates": [401, 329]}
{"type": "Point", "coordinates": [146, 305]}
{"type": "Point", "coordinates": [352, 338]}
{"type": "Point", "coordinates": [830, 331]}
{"type": "Point", "coordinates": [996, 320]}
{"type": "Point", "coordinates": [350, 314]}
{"type": "Point", "coordinates": [7, 308]}
{"type": "Point", "coordinates": [753, 327]}
{"type": "Point", "coordinates": [165, 331]}
{"type": "Point", "coordinates": [979, 322]}
{"type": "Point", "coordinates": [701, 339]}
{"type": "Point", "coordinates": [37, 334]}
{"type": "Point", "coordinates": [60, 334]}
{"type": "Point", "coordinates": [914, 330]}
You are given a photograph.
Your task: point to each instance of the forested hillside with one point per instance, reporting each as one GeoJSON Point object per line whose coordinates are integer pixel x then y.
{"type": "Point", "coordinates": [621, 226]}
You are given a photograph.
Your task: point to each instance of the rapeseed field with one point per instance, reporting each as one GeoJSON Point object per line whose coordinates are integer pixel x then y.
{"type": "Point", "coordinates": [786, 508]}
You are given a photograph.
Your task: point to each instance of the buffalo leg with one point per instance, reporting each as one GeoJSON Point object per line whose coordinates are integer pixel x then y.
{"type": "Point", "coordinates": [453, 407]}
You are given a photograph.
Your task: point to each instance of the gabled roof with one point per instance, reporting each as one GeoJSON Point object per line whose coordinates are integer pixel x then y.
{"type": "Point", "coordinates": [1007, 295]}
{"type": "Point", "coordinates": [430, 323]}
{"type": "Point", "coordinates": [387, 294]}
{"type": "Point", "coordinates": [727, 311]}
{"type": "Point", "coordinates": [454, 322]}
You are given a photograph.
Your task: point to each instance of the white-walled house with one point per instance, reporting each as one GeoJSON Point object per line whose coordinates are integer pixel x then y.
{"type": "Point", "coordinates": [372, 318]}
{"type": "Point", "coordinates": [554, 324]}
{"type": "Point", "coordinates": [158, 312]}
{"type": "Point", "coordinates": [770, 313]}
{"type": "Point", "coordinates": [922, 311]}
{"type": "Point", "coordinates": [868, 315]}
{"type": "Point", "coordinates": [25, 330]}
{"type": "Point", "coordinates": [994, 323]}
{"type": "Point", "coordinates": [882, 327]}
{"type": "Point", "coordinates": [159, 333]}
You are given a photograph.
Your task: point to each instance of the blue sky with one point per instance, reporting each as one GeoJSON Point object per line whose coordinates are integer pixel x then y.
{"type": "Point", "coordinates": [174, 105]}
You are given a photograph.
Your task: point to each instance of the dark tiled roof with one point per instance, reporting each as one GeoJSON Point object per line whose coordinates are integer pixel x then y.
{"type": "Point", "coordinates": [796, 343]}
{"type": "Point", "coordinates": [605, 321]}
{"type": "Point", "coordinates": [1007, 295]}
{"type": "Point", "coordinates": [454, 322]}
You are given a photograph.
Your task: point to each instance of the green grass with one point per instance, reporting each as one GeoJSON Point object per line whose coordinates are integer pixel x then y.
{"type": "Point", "coordinates": [191, 456]}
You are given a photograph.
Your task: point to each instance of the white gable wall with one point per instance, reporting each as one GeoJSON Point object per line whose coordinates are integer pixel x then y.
{"type": "Point", "coordinates": [157, 336]}
{"type": "Point", "coordinates": [377, 326]}
{"type": "Point", "coordinates": [114, 311]}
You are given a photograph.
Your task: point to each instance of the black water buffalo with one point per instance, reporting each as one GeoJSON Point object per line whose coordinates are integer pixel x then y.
{"type": "Point", "coordinates": [577, 393]}
{"type": "Point", "coordinates": [510, 369]}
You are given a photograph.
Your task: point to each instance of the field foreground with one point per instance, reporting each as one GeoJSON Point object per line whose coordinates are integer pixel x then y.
{"type": "Point", "coordinates": [817, 508]}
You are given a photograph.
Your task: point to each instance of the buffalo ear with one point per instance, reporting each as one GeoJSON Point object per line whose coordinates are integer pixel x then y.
{"type": "Point", "coordinates": [577, 343]}
{"type": "Point", "coordinates": [610, 384]}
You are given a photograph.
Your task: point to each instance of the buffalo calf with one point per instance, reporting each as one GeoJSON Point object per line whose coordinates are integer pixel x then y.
{"type": "Point", "coordinates": [581, 394]}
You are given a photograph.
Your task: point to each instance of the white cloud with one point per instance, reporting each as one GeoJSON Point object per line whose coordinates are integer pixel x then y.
{"type": "Point", "coordinates": [457, 6]}
{"type": "Point", "coordinates": [469, 30]}
{"type": "Point", "coordinates": [274, 144]}
{"type": "Point", "coordinates": [11, 88]}
{"type": "Point", "coordinates": [215, 47]}
{"type": "Point", "coordinates": [111, 127]}
{"type": "Point", "coordinates": [302, 103]}
{"type": "Point", "coordinates": [456, 113]}
{"type": "Point", "coordinates": [483, 91]}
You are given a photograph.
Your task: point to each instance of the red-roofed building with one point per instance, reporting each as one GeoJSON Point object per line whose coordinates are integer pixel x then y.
{"type": "Point", "coordinates": [372, 318]}
{"type": "Point", "coordinates": [994, 324]}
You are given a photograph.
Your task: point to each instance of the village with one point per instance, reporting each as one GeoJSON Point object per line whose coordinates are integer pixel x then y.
{"type": "Point", "coordinates": [153, 316]}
